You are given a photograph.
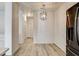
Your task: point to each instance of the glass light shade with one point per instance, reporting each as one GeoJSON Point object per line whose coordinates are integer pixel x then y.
{"type": "Point", "coordinates": [43, 16]}
{"type": "Point", "coordinates": [43, 13]}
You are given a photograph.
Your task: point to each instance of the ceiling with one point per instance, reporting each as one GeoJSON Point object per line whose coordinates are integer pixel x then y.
{"type": "Point", "coordinates": [37, 5]}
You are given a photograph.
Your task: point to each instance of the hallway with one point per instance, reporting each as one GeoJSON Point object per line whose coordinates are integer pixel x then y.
{"type": "Point", "coordinates": [28, 20]}
{"type": "Point", "coordinates": [31, 49]}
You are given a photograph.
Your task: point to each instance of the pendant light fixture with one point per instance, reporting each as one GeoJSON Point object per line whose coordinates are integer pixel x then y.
{"type": "Point", "coordinates": [43, 13]}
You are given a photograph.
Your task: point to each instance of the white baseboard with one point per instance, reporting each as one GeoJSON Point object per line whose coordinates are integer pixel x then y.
{"type": "Point", "coordinates": [60, 47]}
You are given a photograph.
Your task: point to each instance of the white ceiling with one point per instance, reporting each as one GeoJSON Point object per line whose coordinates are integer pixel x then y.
{"type": "Point", "coordinates": [37, 5]}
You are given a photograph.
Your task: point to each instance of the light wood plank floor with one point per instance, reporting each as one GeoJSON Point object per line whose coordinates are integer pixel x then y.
{"type": "Point", "coordinates": [31, 49]}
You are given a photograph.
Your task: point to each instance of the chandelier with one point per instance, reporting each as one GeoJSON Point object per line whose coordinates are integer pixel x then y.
{"type": "Point", "coordinates": [43, 13]}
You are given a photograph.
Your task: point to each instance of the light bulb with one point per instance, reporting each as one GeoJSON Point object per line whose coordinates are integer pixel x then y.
{"type": "Point", "coordinates": [43, 16]}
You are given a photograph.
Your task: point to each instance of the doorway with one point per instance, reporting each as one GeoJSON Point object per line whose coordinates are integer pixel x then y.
{"type": "Point", "coordinates": [29, 28]}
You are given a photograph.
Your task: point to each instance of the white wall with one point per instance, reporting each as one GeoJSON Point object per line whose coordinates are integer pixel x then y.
{"type": "Point", "coordinates": [1, 28]}
{"type": "Point", "coordinates": [11, 27]}
{"type": "Point", "coordinates": [35, 26]}
{"type": "Point", "coordinates": [44, 29]}
{"type": "Point", "coordinates": [2, 21]}
{"type": "Point", "coordinates": [2, 25]}
{"type": "Point", "coordinates": [8, 27]}
{"type": "Point", "coordinates": [60, 25]}
{"type": "Point", "coordinates": [15, 27]}
{"type": "Point", "coordinates": [2, 11]}
{"type": "Point", "coordinates": [22, 26]}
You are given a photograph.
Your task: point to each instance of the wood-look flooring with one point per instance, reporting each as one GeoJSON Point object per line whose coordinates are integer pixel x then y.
{"type": "Point", "coordinates": [31, 49]}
